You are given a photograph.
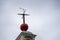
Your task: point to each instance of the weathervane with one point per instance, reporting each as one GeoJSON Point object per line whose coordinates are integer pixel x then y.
{"type": "Point", "coordinates": [25, 35]}
{"type": "Point", "coordinates": [23, 14]}
{"type": "Point", "coordinates": [23, 26]}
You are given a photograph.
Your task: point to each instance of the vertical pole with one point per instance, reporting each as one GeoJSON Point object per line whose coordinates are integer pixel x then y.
{"type": "Point", "coordinates": [23, 18]}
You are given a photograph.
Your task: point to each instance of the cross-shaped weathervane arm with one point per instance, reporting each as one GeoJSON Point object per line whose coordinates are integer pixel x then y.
{"type": "Point", "coordinates": [23, 15]}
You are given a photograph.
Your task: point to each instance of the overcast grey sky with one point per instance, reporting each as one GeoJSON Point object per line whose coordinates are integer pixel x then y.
{"type": "Point", "coordinates": [44, 18]}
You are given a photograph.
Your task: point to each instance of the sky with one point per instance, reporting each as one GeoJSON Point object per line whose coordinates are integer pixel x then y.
{"type": "Point", "coordinates": [43, 19]}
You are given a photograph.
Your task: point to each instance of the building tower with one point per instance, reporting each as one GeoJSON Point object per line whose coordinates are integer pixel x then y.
{"type": "Point", "coordinates": [25, 35]}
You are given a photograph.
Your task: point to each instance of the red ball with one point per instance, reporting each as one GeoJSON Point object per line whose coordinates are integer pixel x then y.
{"type": "Point", "coordinates": [24, 27]}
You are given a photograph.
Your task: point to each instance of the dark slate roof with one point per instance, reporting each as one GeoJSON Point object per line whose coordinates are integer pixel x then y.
{"type": "Point", "coordinates": [25, 33]}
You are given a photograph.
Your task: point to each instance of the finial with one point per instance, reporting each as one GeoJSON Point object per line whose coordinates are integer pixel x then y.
{"type": "Point", "coordinates": [23, 26]}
